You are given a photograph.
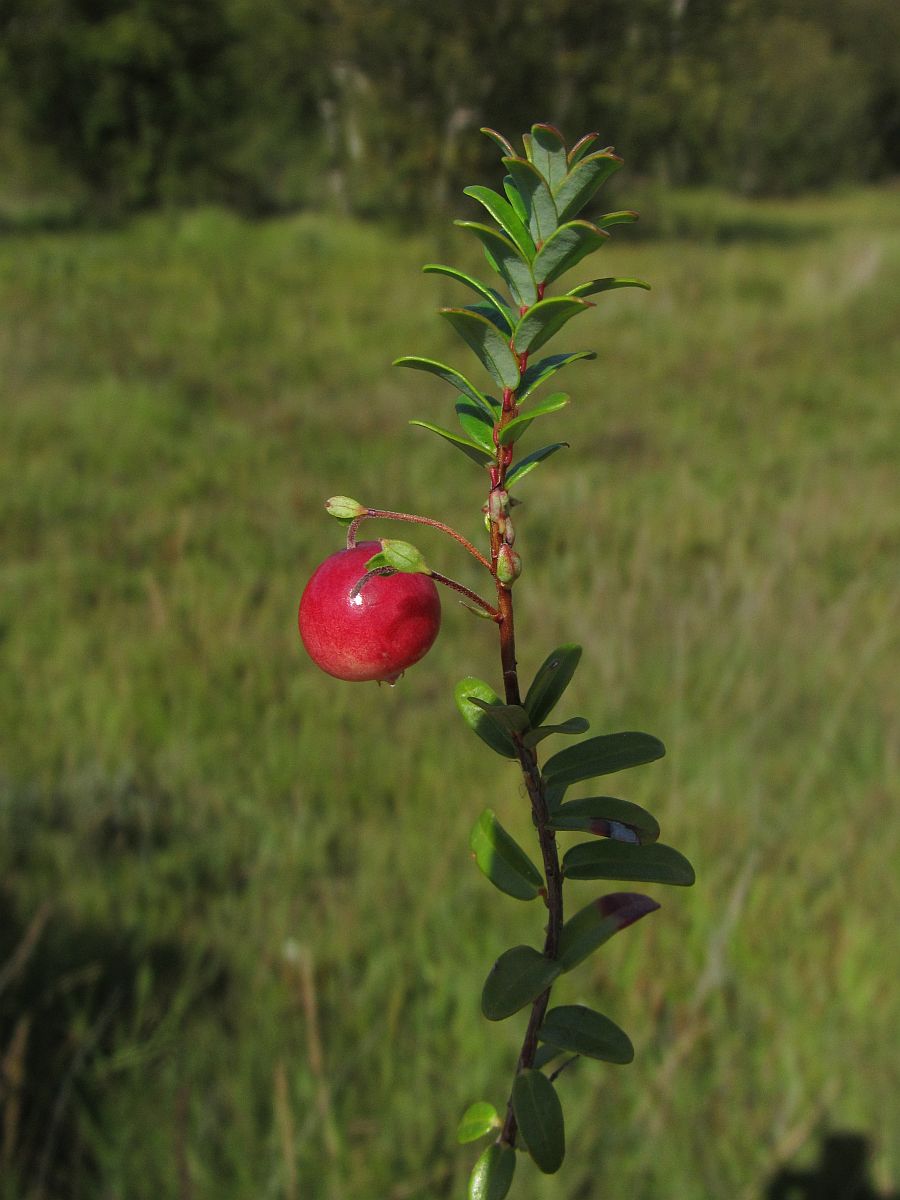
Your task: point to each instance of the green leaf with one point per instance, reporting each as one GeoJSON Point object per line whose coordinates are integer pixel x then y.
{"type": "Point", "coordinates": [540, 1118]}
{"type": "Point", "coordinates": [476, 424]}
{"type": "Point", "coordinates": [597, 922]}
{"type": "Point", "coordinates": [553, 677]}
{"type": "Point", "coordinates": [490, 295]}
{"type": "Point", "coordinates": [510, 717]}
{"type": "Point", "coordinates": [626, 216]}
{"type": "Point", "coordinates": [607, 816]}
{"type": "Point", "coordinates": [583, 181]}
{"type": "Point", "coordinates": [581, 1030]}
{"type": "Point", "coordinates": [517, 977]}
{"type": "Point", "coordinates": [545, 318]}
{"type": "Point", "coordinates": [506, 217]}
{"type": "Point", "coordinates": [492, 1175]}
{"type": "Point", "coordinates": [593, 286]}
{"type": "Point", "coordinates": [517, 426]}
{"type": "Point", "coordinates": [488, 343]}
{"type": "Point", "coordinates": [399, 556]}
{"type": "Point", "coordinates": [502, 860]}
{"type": "Point", "coordinates": [573, 726]}
{"type": "Point", "coordinates": [544, 1055]}
{"type": "Point", "coordinates": [542, 370]}
{"type": "Point", "coordinates": [448, 374]}
{"type": "Point", "coordinates": [515, 198]}
{"type": "Point", "coordinates": [477, 1121]}
{"type": "Point", "coordinates": [345, 509]}
{"type": "Point", "coordinates": [507, 260]}
{"type": "Point", "coordinates": [654, 863]}
{"type": "Point", "coordinates": [532, 460]}
{"type": "Point", "coordinates": [468, 688]}
{"type": "Point", "coordinates": [566, 247]}
{"type": "Point", "coordinates": [581, 148]}
{"type": "Point", "coordinates": [539, 205]}
{"type": "Point", "coordinates": [602, 756]}
{"type": "Point", "coordinates": [548, 153]}
{"type": "Point", "coordinates": [490, 313]}
{"type": "Point", "coordinates": [505, 145]}
{"type": "Point", "coordinates": [470, 449]}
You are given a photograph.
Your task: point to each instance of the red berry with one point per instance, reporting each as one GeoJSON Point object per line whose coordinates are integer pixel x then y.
{"type": "Point", "coordinates": [389, 625]}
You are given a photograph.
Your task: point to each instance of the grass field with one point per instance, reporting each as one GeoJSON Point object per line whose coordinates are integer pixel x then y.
{"type": "Point", "coordinates": [241, 940]}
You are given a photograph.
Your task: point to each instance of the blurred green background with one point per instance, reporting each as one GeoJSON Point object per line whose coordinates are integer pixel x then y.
{"type": "Point", "coordinates": [241, 940]}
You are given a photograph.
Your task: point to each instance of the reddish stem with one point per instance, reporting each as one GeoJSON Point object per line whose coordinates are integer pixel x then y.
{"type": "Point", "coordinates": [416, 520]}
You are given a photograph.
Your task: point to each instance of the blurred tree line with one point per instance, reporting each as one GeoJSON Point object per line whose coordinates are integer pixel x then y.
{"type": "Point", "coordinates": [370, 104]}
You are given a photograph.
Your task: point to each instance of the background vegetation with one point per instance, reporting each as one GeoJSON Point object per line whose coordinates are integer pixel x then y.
{"type": "Point", "coordinates": [241, 942]}
{"type": "Point", "coordinates": [370, 105]}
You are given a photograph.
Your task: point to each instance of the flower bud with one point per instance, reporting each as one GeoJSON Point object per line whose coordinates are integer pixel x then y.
{"type": "Point", "coordinates": [498, 504]}
{"type": "Point", "coordinates": [509, 566]}
{"type": "Point", "coordinates": [344, 508]}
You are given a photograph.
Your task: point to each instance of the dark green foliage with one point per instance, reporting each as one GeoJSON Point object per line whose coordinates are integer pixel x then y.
{"type": "Point", "coordinates": [477, 1121]}
{"type": "Point", "coordinates": [603, 815]}
{"type": "Point", "coordinates": [539, 1114]}
{"type": "Point", "coordinates": [580, 1030]}
{"type": "Point", "coordinates": [502, 860]}
{"type": "Point", "coordinates": [596, 923]}
{"type": "Point", "coordinates": [553, 677]}
{"type": "Point", "coordinates": [608, 859]}
{"type": "Point", "coordinates": [516, 978]}
{"type": "Point", "coordinates": [602, 756]}
{"type": "Point", "coordinates": [492, 1175]}
{"type": "Point", "coordinates": [468, 691]}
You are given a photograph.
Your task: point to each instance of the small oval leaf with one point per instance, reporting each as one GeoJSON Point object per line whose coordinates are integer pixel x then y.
{"type": "Point", "coordinates": [448, 374]}
{"type": "Point", "coordinates": [518, 425]}
{"type": "Point", "coordinates": [600, 814]}
{"type": "Point", "coordinates": [525, 465]}
{"type": "Point", "coordinates": [544, 319]}
{"type": "Point", "coordinates": [581, 147]}
{"type": "Point", "coordinates": [571, 728]}
{"type": "Point", "coordinates": [476, 424]}
{"type": "Point", "coordinates": [595, 286]}
{"type": "Point", "coordinates": [602, 756]}
{"type": "Point", "coordinates": [477, 1121]}
{"type": "Point", "coordinates": [488, 343]}
{"type": "Point", "coordinates": [579, 1029]}
{"type": "Point", "coordinates": [502, 860]}
{"type": "Point", "coordinates": [596, 923]}
{"type": "Point", "coordinates": [548, 153]}
{"type": "Point", "coordinates": [470, 688]}
{"type": "Point", "coordinates": [605, 859]}
{"type": "Point", "coordinates": [566, 248]}
{"type": "Point", "coordinates": [516, 978]}
{"type": "Point", "coordinates": [506, 217]}
{"type": "Point", "coordinates": [553, 677]}
{"type": "Point", "coordinates": [540, 1118]}
{"type": "Point", "coordinates": [507, 260]}
{"type": "Point", "coordinates": [539, 203]}
{"type": "Point", "coordinates": [542, 370]}
{"type": "Point", "coordinates": [583, 181]}
{"type": "Point", "coordinates": [493, 298]}
{"type": "Point", "coordinates": [492, 1175]}
{"type": "Point", "coordinates": [470, 449]}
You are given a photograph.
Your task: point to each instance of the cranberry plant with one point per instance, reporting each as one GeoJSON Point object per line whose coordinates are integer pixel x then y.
{"type": "Point", "coordinates": [371, 610]}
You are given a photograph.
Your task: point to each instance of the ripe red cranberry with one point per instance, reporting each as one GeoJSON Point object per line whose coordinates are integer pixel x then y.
{"type": "Point", "coordinates": [389, 625]}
